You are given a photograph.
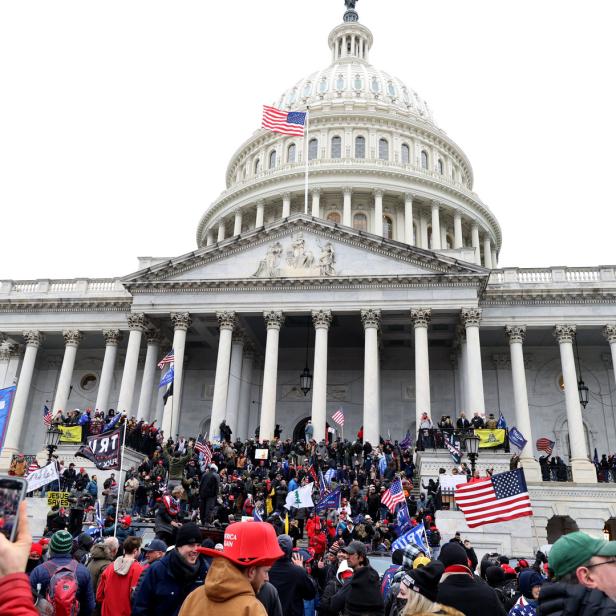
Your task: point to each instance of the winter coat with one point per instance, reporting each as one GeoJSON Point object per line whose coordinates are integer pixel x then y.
{"type": "Point", "coordinates": [443, 610]}
{"type": "Point", "coordinates": [16, 596]}
{"type": "Point", "coordinates": [268, 595]}
{"type": "Point", "coordinates": [574, 600]}
{"type": "Point", "coordinates": [226, 592]}
{"type": "Point", "coordinates": [116, 586]}
{"type": "Point", "coordinates": [293, 585]}
{"type": "Point", "coordinates": [469, 595]}
{"type": "Point", "coordinates": [101, 558]}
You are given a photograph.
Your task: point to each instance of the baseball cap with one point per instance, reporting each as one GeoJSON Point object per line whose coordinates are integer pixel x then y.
{"type": "Point", "coordinates": [574, 549]}
{"type": "Point", "coordinates": [156, 545]}
{"type": "Point", "coordinates": [355, 547]}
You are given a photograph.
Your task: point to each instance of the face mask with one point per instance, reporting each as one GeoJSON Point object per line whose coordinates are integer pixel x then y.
{"type": "Point", "coordinates": [400, 605]}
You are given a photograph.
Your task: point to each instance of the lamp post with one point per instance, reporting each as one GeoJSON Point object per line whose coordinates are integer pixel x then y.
{"type": "Point", "coordinates": [52, 438]}
{"type": "Point", "coordinates": [582, 387]}
{"type": "Point", "coordinates": [472, 449]}
{"type": "Point", "coordinates": [305, 378]}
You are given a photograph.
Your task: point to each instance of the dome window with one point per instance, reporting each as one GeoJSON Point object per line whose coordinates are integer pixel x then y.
{"type": "Point", "coordinates": [383, 149]}
{"type": "Point", "coordinates": [334, 217]}
{"type": "Point", "coordinates": [360, 147]}
{"type": "Point", "coordinates": [336, 147]}
{"type": "Point", "coordinates": [292, 96]}
{"type": "Point", "coordinates": [405, 96]}
{"type": "Point", "coordinates": [313, 149]}
{"type": "Point", "coordinates": [340, 82]}
{"type": "Point", "coordinates": [424, 159]}
{"type": "Point", "coordinates": [291, 153]}
{"type": "Point", "coordinates": [375, 85]}
{"type": "Point", "coordinates": [272, 159]}
{"type": "Point", "coordinates": [323, 85]}
{"type": "Point", "coordinates": [405, 154]}
{"type": "Point", "coordinates": [388, 227]}
{"type": "Point", "coordinates": [360, 222]}
{"type": "Point", "coordinates": [307, 89]}
{"type": "Point", "coordinates": [440, 166]}
{"type": "Point", "coordinates": [391, 89]}
{"type": "Point", "coordinates": [257, 166]}
{"type": "Point", "coordinates": [358, 83]}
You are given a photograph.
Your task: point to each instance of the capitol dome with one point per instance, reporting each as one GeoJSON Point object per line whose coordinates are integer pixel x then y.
{"type": "Point", "coordinates": [376, 161]}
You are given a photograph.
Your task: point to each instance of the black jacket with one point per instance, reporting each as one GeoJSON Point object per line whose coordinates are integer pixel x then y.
{"type": "Point", "coordinates": [210, 484]}
{"type": "Point", "coordinates": [293, 585]}
{"type": "Point", "coordinates": [268, 595]}
{"type": "Point", "coordinates": [574, 600]}
{"type": "Point", "coordinates": [469, 595]}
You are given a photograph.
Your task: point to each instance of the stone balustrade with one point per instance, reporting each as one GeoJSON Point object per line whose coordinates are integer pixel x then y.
{"type": "Point", "coordinates": [516, 276]}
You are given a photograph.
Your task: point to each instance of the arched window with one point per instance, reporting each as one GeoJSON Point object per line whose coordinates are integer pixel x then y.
{"type": "Point", "coordinates": [313, 149]}
{"type": "Point", "coordinates": [340, 83]}
{"type": "Point", "coordinates": [391, 89]}
{"type": "Point", "coordinates": [388, 227]}
{"type": "Point", "coordinates": [323, 85]}
{"type": "Point", "coordinates": [360, 222]}
{"type": "Point", "coordinates": [449, 242]}
{"type": "Point", "coordinates": [292, 96]}
{"type": "Point", "coordinates": [360, 147]}
{"type": "Point", "coordinates": [272, 159]}
{"type": "Point", "coordinates": [307, 89]}
{"type": "Point", "coordinates": [257, 165]}
{"type": "Point", "coordinates": [383, 149]}
{"type": "Point", "coordinates": [424, 159]}
{"type": "Point", "coordinates": [334, 217]}
{"type": "Point", "coordinates": [358, 82]}
{"type": "Point", "coordinates": [440, 166]}
{"type": "Point", "coordinates": [291, 150]}
{"type": "Point", "coordinates": [336, 147]}
{"type": "Point", "coordinates": [375, 85]}
{"type": "Point", "coordinates": [405, 153]}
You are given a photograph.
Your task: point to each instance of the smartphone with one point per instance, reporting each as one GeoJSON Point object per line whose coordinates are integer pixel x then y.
{"type": "Point", "coordinates": [12, 492]}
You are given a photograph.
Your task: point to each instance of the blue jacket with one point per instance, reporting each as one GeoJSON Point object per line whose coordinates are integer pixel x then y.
{"type": "Point", "coordinates": [160, 592]}
{"type": "Point", "coordinates": [40, 575]}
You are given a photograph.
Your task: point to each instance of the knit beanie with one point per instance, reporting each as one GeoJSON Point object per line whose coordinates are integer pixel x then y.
{"type": "Point", "coordinates": [453, 553]}
{"type": "Point", "coordinates": [61, 542]}
{"type": "Point", "coordinates": [424, 580]}
{"type": "Point", "coordinates": [188, 533]}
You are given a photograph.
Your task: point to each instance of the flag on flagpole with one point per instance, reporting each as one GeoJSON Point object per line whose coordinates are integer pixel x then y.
{"type": "Point", "coordinates": [454, 450]}
{"type": "Point", "coordinates": [202, 447]}
{"type": "Point", "coordinates": [47, 416]}
{"type": "Point", "coordinates": [112, 422]}
{"type": "Point", "coordinates": [256, 516]}
{"type": "Point", "coordinates": [329, 501]}
{"type": "Point", "coordinates": [393, 496]}
{"type": "Point", "coordinates": [499, 498]}
{"type": "Point", "coordinates": [286, 524]}
{"type": "Point", "coordinates": [302, 497]}
{"type": "Point", "coordinates": [322, 484]}
{"type": "Point", "coordinates": [403, 519]}
{"type": "Point", "coordinates": [169, 358]}
{"type": "Point", "coordinates": [517, 438]}
{"type": "Point", "coordinates": [502, 423]}
{"type": "Point", "coordinates": [33, 466]}
{"type": "Point", "coordinates": [338, 417]}
{"type": "Point", "coordinates": [545, 444]}
{"type": "Point", "coordinates": [167, 377]}
{"type": "Point", "coordinates": [285, 122]}
{"type": "Point", "coordinates": [405, 443]}
{"type": "Point", "coordinates": [416, 536]}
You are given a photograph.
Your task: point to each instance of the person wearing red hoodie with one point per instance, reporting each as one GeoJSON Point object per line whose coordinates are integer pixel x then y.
{"type": "Point", "coordinates": [117, 582]}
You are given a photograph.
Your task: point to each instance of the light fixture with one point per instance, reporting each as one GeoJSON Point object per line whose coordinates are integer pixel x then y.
{"type": "Point", "coordinates": [52, 438]}
{"type": "Point", "coordinates": [472, 449]}
{"type": "Point", "coordinates": [305, 378]}
{"type": "Point", "coordinates": [583, 390]}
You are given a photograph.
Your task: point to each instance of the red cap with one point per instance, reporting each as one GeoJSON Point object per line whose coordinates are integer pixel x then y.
{"type": "Point", "coordinates": [523, 563]}
{"type": "Point", "coordinates": [248, 544]}
{"type": "Point", "coordinates": [126, 520]}
{"type": "Point", "coordinates": [36, 548]}
{"type": "Point", "coordinates": [44, 541]}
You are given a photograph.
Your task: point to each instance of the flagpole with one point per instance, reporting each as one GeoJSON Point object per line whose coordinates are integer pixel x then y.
{"type": "Point", "coordinates": [121, 481]}
{"type": "Point", "coordinates": [306, 133]}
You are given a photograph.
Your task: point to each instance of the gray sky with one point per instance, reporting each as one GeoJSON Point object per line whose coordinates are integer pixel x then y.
{"type": "Point", "coordinates": [117, 118]}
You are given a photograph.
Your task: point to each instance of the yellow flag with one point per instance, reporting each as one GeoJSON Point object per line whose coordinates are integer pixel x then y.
{"type": "Point", "coordinates": [286, 524]}
{"type": "Point", "coordinates": [490, 438]}
{"type": "Point", "coordinates": [70, 434]}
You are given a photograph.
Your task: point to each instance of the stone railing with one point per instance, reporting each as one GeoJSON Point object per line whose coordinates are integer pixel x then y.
{"type": "Point", "coordinates": [95, 287]}
{"type": "Point", "coordinates": [516, 276]}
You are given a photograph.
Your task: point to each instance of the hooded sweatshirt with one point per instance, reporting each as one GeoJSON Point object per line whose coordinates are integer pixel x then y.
{"type": "Point", "coordinates": [116, 586]}
{"type": "Point", "coordinates": [226, 592]}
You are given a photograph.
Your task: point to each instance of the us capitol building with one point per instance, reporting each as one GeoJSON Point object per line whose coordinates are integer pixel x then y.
{"type": "Point", "coordinates": [385, 285]}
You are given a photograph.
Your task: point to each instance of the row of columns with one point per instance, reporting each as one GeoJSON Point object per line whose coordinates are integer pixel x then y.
{"type": "Point", "coordinates": [439, 232]}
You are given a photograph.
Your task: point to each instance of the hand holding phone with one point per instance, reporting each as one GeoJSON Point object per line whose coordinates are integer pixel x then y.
{"type": "Point", "coordinates": [14, 556]}
{"type": "Point", "coordinates": [12, 492]}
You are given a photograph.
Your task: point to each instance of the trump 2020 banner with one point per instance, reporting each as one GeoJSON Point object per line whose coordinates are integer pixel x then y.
{"type": "Point", "coordinates": [6, 402]}
{"type": "Point", "coordinates": [103, 450]}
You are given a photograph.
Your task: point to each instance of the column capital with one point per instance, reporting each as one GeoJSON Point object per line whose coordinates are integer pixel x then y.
{"type": "Point", "coordinates": [152, 335]}
{"type": "Point", "coordinates": [371, 318]}
{"type": "Point", "coordinates": [609, 332]}
{"type": "Point", "coordinates": [421, 316]}
{"type": "Point", "coordinates": [515, 333]}
{"type": "Point", "coordinates": [260, 202]}
{"type": "Point", "coordinates": [227, 319]}
{"type": "Point", "coordinates": [457, 214]}
{"type": "Point", "coordinates": [273, 319]}
{"type": "Point", "coordinates": [181, 320]}
{"type": "Point", "coordinates": [435, 204]}
{"type": "Point", "coordinates": [378, 193]}
{"type": "Point", "coordinates": [33, 337]}
{"type": "Point", "coordinates": [471, 317]}
{"type": "Point", "coordinates": [347, 190]}
{"type": "Point", "coordinates": [315, 191]}
{"type": "Point", "coordinates": [112, 337]}
{"type": "Point", "coordinates": [322, 319]}
{"type": "Point", "coordinates": [238, 338]}
{"type": "Point", "coordinates": [137, 321]}
{"type": "Point", "coordinates": [238, 211]}
{"type": "Point", "coordinates": [72, 337]}
{"type": "Point", "coordinates": [286, 196]}
{"type": "Point", "coordinates": [501, 360]}
{"type": "Point", "coordinates": [9, 350]}
{"type": "Point", "coordinates": [564, 333]}
{"type": "Point", "coordinates": [409, 196]}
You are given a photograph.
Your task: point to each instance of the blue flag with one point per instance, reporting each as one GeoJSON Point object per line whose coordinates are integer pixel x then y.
{"type": "Point", "coordinates": [454, 450]}
{"type": "Point", "coordinates": [329, 501]}
{"type": "Point", "coordinates": [167, 378]}
{"type": "Point", "coordinates": [517, 438]}
{"type": "Point", "coordinates": [403, 520]}
{"type": "Point", "coordinates": [256, 516]}
{"type": "Point", "coordinates": [405, 443]}
{"type": "Point", "coordinates": [501, 424]}
{"type": "Point", "coordinates": [6, 402]}
{"type": "Point", "coordinates": [112, 422]}
{"type": "Point", "coordinates": [415, 536]}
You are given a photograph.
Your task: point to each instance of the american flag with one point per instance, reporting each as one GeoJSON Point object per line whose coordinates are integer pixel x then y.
{"type": "Point", "coordinates": [285, 122]}
{"type": "Point", "coordinates": [545, 444]}
{"type": "Point", "coordinates": [499, 498]}
{"type": "Point", "coordinates": [202, 447]}
{"type": "Point", "coordinates": [393, 496]}
{"type": "Point", "coordinates": [338, 417]}
{"type": "Point", "coordinates": [169, 358]}
{"type": "Point", "coordinates": [33, 466]}
{"type": "Point", "coordinates": [47, 416]}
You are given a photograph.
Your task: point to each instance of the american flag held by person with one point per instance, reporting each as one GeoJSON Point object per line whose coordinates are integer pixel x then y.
{"type": "Point", "coordinates": [393, 496]}
{"type": "Point", "coordinates": [169, 358]}
{"type": "Point", "coordinates": [338, 417]}
{"type": "Point", "coordinates": [545, 444]}
{"type": "Point", "coordinates": [47, 416]}
{"type": "Point", "coordinates": [499, 498]}
{"type": "Point", "coordinates": [202, 447]}
{"type": "Point", "coordinates": [284, 122]}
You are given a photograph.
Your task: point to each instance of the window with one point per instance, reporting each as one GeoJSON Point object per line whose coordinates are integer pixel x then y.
{"type": "Point", "coordinates": [388, 227]}
{"type": "Point", "coordinates": [375, 85]}
{"type": "Point", "coordinates": [391, 89]}
{"type": "Point", "coordinates": [441, 167]}
{"type": "Point", "coordinates": [405, 96]}
{"type": "Point", "coordinates": [405, 154]}
{"type": "Point", "coordinates": [323, 85]}
{"type": "Point", "coordinates": [424, 159]}
{"type": "Point", "coordinates": [340, 82]}
{"type": "Point", "coordinates": [307, 89]}
{"type": "Point", "coordinates": [313, 149]}
{"type": "Point", "coordinates": [383, 149]}
{"type": "Point", "coordinates": [358, 84]}
{"type": "Point", "coordinates": [334, 217]}
{"type": "Point", "coordinates": [360, 147]}
{"type": "Point", "coordinates": [272, 159]}
{"type": "Point", "coordinates": [360, 222]}
{"type": "Point", "coordinates": [291, 150]}
{"type": "Point", "coordinates": [257, 166]}
{"type": "Point", "coordinates": [336, 147]}
{"type": "Point", "coordinates": [292, 96]}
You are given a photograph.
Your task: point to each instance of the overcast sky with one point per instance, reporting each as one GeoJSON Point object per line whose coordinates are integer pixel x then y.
{"type": "Point", "coordinates": [118, 118]}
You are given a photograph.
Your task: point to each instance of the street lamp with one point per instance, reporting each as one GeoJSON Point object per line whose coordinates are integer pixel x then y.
{"type": "Point", "coordinates": [472, 449]}
{"type": "Point", "coordinates": [582, 387]}
{"type": "Point", "coordinates": [305, 378]}
{"type": "Point", "coordinates": [52, 438]}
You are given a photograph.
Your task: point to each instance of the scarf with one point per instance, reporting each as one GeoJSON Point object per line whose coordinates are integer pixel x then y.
{"type": "Point", "coordinates": [458, 569]}
{"type": "Point", "coordinates": [183, 571]}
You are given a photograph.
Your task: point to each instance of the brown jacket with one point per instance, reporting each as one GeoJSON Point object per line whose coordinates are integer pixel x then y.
{"type": "Point", "coordinates": [444, 610]}
{"type": "Point", "coordinates": [226, 592]}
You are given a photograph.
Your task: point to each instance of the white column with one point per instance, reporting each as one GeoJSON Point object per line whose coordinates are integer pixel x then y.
{"type": "Point", "coordinates": [286, 205]}
{"type": "Point", "coordinates": [152, 353]}
{"type": "Point", "coordinates": [458, 242]}
{"type": "Point", "coordinates": [423, 231]}
{"type": "Point", "coordinates": [209, 237]}
{"type": "Point", "coordinates": [516, 335]}
{"type": "Point", "coordinates": [227, 322]}
{"type": "Point", "coordinates": [274, 321]}
{"type": "Point", "coordinates": [72, 338]}
{"type": "Point", "coordinates": [371, 320]}
{"type": "Point", "coordinates": [221, 231]}
{"type": "Point", "coordinates": [9, 360]}
{"type": "Point", "coordinates": [487, 252]}
{"type": "Point", "coordinates": [259, 214]}
{"type": "Point", "coordinates": [609, 332]}
{"type": "Point", "coordinates": [378, 212]}
{"type": "Point", "coordinates": [322, 320]}
{"type": "Point", "coordinates": [462, 372]}
{"type": "Point", "coordinates": [436, 227]}
{"type": "Point", "coordinates": [494, 258]}
{"type": "Point", "coordinates": [582, 469]}
{"type": "Point", "coordinates": [471, 318]}
{"type": "Point", "coordinates": [136, 325]}
{"type": "Point", "coordinates": [316, 202]}
{"type": "Point", "coordinates": [20, 403]}
{"type": "Point", "coordinates": [235, 382]}
{"type": "Point", "coordinates": [112, 338]}
{"type": "Point", "coordinates": [181, 322]}
{"type": "Point", "coordinates": [237, 223]}
{"type": "Point", "coordinates": [408, 220]}
{"type": "Point", "coordinates": [443, 236]}
{"type": "Point", "coordinates": [245, 392]}
{"type": "Point", "coordinates": [421, 319]}
{"type": "Point", "coordinates": [346, 207]}
{"type": "Point", "coordinates": [475, 243]}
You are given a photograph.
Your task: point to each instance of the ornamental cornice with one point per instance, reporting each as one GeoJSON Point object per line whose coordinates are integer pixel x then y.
{"type": "Point", "coordinates": [515, 333]}
{"type": "Point", "coordinates": [322, 319]}
{"type": "Point", "coordinates": [153, 335]}
{"type": "Point", "coordinates": [70, 306]}
{"type": "Point", "coordinates": [273, 319]}
{"type": "Point", "coordinates": [564, 333]}
{"type": "Point", "coordinates": [181, 320]}
{"type": "Point", "coordinates": [72, 337]}
{"type": "Point", "coordinates": [33, 337]}
{"type": "Point", "coordinates": [371, 318]}
{"type": "Point", "coordinates": [471, 317]}
{"type": "Point", "coordinates": [227, 320]}
{"type": "Point", "coordinates": [137, 322]}
{"type": "Point", "coordinates": [8, 351]}
{"type": "Point", "coordinates": [609, 333]}
{"type": "Point", "coordinates": [112, 337]}
{"type": "Point", "coordinates": [421, 317]}
{"type": "Point", "coordinates": [549, 297]}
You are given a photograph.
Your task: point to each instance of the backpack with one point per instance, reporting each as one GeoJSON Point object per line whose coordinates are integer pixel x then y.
{"type": "Point", "coordinates": [63, 588]}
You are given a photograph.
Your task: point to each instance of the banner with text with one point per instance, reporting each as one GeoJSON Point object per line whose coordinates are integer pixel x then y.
{"type": "Point", "coordinates": [6, 403]}
{"type": "Point", "coordinates": [59, 499]}
{"type": "Point", "coordinates": [103, 450]}
{"type": "Point", "coordinates": [42, 477]}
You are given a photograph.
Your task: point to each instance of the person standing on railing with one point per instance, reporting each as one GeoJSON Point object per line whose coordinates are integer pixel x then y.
{"type": "Point", "coordinates": [477, 421]}
{"type": "Point", "coordinates": [425, 428]}
{"type": "Point", "coordinates": [462, 423]}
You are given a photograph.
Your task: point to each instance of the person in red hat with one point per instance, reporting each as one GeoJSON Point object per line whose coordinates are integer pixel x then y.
{"type": "Point", "coordinates": [237, 572]}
